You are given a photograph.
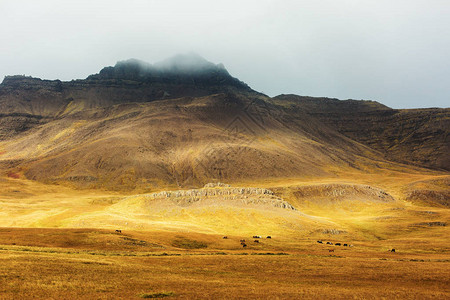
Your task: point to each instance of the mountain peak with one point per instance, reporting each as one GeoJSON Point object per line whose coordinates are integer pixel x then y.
{"type": "Point", "coordinates": [181, 64]}
{"type": "Point", "coordinates": [188, 63]}
{"type": "Point", "coordinates": [133, 62]}
{"type": "Point", "coordinates": [187, 68]}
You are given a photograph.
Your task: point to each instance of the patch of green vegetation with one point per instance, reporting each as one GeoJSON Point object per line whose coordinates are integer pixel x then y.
{"type": "Point", "coordinates": [156, 295]}
{"type": "Point", "coordinates": [185, 243]}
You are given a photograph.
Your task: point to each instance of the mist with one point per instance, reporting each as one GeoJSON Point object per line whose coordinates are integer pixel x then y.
{"type": "Point", "coordinates": [394, 52]}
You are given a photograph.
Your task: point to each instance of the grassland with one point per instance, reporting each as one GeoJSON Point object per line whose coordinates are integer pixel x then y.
{"type": "Point", "coordinates": [304, 270]}
{"type": "Point", "coordinates": [56, 242]}
{"type": "Point", "coordinates": [102, 193]}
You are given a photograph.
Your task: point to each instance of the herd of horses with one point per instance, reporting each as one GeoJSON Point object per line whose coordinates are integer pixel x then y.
{"type": "Point", "coordinates": [256, 237]}
{"type": "Point", "coordinates": [344, 245]}
{"type": "Point", "coordinates": [336, 244]}
{"type": "Point", "coordinates": [243, 242]}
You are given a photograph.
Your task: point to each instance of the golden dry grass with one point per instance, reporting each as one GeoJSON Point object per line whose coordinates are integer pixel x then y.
{"type": "Point", "coordinates": [180, 253]}
{"type": "Point", "coordinates": [55, 273]}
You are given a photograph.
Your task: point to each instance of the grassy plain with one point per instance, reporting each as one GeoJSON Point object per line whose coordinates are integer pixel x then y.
{"type": "Point", "coordinates": [305, 269]}
{"type": "Point", "coordinates": [60, 243]}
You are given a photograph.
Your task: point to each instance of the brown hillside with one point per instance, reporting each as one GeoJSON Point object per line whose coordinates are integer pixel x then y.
{"type": "Point", "coordinates": [182, 142]}
{"type": "Point", "coordinates": [418, 136]}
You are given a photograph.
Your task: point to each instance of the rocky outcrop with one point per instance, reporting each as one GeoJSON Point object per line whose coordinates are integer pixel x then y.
{"type": "Point", "coordinates": [216, 184]}
{"type": "Point", "coordinates": [222, 194]}
{"type": "Point", "coordinates": [333, 231]}
{"type": "Point", "coordinates": [433, 192]}
{"type": "Point", "coordinates": [429, 224]}
{"type": "Point", "coordinates": [430, 197]}
{"type": "Point", "coordinates": [335, 192]}
{"type": "Point", "coordinates": [22, 82]}
{"type": "Point", "coordinates": [330, 194]}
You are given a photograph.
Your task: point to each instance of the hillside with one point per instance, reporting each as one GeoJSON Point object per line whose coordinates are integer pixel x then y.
{"type": "Point", "coordinates": [411, 136]}
{"type": "Point", "coordinates": [185, 122]}
{"type": "Point", "coordinates": [183, 142]}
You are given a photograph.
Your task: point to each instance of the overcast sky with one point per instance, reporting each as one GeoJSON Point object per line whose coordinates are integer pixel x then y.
{"type": "Point", "coordinates": [392, 51]}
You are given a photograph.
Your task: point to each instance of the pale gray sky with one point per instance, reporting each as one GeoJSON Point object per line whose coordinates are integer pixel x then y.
{"type": "Point", "coordinates": [392, 51]}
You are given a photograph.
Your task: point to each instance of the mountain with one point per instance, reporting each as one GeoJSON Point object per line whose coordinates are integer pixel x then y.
{"type": "Point", "coordinates": [185, 141]}
{"type": "Point", "coordinates": [411, 136]}
{"type": "Point", "coordinates": [188, 73]}
{"type": "Point", "coordinates": [184, 122]}
{"type": "Point", "coordinates": [128, 81]}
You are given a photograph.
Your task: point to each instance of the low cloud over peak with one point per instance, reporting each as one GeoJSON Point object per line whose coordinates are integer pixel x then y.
{"type": "Point", "coordinates": [189, 64]}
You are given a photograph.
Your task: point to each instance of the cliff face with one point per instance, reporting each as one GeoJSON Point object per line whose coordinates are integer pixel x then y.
{"type": "Point", "coordinates": [33, 96]}
{"type": "Point", "coordinates": [418, 136]}
{"type": "Point", "coordinates": [13, 124]}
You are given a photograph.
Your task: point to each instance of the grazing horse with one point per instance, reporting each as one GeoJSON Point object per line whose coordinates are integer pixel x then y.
{"type": "Point", "coordinates": [268, 237]}
{"type": "Point", "coordinates": [345, 245]}
{"type": "Point", "coordinates": [320, 242]}
{"type": "Point", "coordinates": [244, 245]}
{"type": "Point", "coordinates": [338, 244]}
{"type": "Point", "coordinates": [225, 237]}
{"type": "Point", "coordinates": [393, 250]}
{"type": "Point", "coordinates": [118, 230]}
{"type": "Point", "coordinates": [256, 241]}
{"type": "Point", "coordinates": [329, 243]}
{"type": "Point", "coordinates": [242, 241]}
